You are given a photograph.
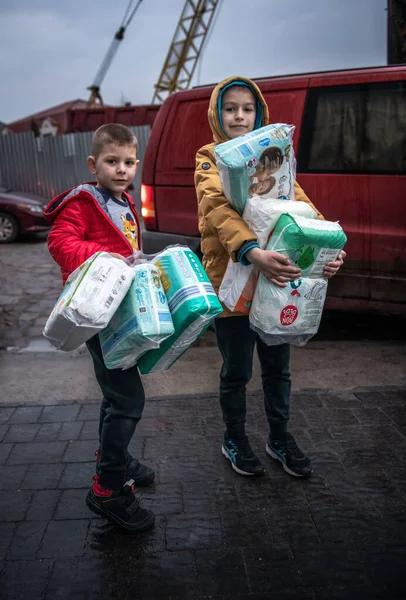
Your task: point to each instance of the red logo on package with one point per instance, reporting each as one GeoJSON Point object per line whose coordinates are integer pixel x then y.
{"type": "Point", "coordinates": [289, 315]}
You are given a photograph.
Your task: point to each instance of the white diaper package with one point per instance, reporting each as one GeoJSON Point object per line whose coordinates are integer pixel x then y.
{"type": "Point", "coordinates": [289, 315]}
{"type": "Point", "coordinates": [258, 164]}
{"type": "Point", "coordinates": [292, 314]}
{"type": "Point", "coordinates": [261, 215]}
{"type": "Point", "coordinates": [141, 323]}
{"type": "Point", "coordinates": [91, 296]}
{"type": "Point", "coordinates": [192, 302]}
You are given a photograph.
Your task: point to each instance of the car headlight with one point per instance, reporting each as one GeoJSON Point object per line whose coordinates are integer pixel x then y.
{"type": "Point", "coordinates": [34, 208]}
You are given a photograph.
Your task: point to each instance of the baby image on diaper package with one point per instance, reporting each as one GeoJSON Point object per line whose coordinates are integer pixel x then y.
{"type": "Point", "coordinates": [258, 164]}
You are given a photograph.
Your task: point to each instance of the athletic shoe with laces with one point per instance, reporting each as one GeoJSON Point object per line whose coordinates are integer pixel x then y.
{"type": "Point", "coordinates": [120, 507]}
{"type": "Point", "coordinates": [243, 460]}
{"type": "Point", "coordinates": [139, 473]}
{"type": "Point", "coordinates": [289, 454]}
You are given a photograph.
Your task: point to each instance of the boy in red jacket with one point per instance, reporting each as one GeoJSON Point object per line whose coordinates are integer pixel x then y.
{"type": "Point", "coordinates": [87, 219]}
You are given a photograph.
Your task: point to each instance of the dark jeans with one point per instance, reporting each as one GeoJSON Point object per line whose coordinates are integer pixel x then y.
{"type": "Point", "coordinates": [236, 341]}
{"type": "Point", "coordinates": [120, 411]}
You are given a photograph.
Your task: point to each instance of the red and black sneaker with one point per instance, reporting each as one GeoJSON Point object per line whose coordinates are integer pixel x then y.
{"type": "Point", "coordinates": [120, 507]}
{"type": "Point", "coordinates": [139, 473]}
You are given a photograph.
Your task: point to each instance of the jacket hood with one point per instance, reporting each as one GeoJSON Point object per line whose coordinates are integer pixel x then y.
{"type": "Point", "coordinates": [214, 114]}
{"type": "Point", "coordinates": [82, 191]}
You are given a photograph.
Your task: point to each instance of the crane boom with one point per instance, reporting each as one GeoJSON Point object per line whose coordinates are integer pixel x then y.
{"type": "Point", "coordinates": [185, 50]}
{"type": "Point", "coordinates": [95, 96]}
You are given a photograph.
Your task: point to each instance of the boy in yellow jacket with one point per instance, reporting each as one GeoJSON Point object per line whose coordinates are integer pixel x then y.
{"type": "Point", "coordinates": [238, 107]}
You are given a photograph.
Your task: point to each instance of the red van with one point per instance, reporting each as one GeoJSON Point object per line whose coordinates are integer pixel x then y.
{"type": "Point", "coordinates": [350, 145]}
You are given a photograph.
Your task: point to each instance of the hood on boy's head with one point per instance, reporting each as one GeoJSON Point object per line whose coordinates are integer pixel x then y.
{"type": "Point", "coordinates": [214, 112]}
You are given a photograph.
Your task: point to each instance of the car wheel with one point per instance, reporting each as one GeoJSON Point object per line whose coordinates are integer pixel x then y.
{"type": "Point", "coordinates": [8, 228]}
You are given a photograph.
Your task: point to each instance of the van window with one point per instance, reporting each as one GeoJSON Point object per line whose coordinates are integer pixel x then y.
{"type": "Point", "coordinates": [355, 129]}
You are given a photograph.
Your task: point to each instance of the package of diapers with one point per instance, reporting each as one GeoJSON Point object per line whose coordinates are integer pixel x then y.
{"type": "Point", "coordinates": [308, 243]}
{"type": "Point", "coordinates": [289, 315]}
{"type": "Point", "coordinates": [261, 215]}
{"type": "Point", "coordinates": [91, 296]}
{"type": "Point", "coordinates": [292, 314]}
{"type": "Point", "coordinates": [192, 302]}
{"type": "Point", "coordinates": [258, 164]}
{"type": "Point", "coordinates": [141, 323]}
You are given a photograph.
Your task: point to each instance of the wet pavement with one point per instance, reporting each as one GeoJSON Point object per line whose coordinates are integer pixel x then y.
{"type": "Point", "coordinates": [30, 285]}
{"type": "Point", "coordinates": [339, 535]}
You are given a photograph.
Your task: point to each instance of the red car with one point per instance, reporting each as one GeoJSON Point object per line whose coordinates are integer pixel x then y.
{"type": "Point", "coordinates": [20, 213]}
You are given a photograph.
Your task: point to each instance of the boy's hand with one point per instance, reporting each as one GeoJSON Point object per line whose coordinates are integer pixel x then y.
{"type": "Point", "coordinates": [115, 255]}
{"type": "Point", "coordinates": [334, 266]}
{"type": "Point", "coordinates": [274, 266]}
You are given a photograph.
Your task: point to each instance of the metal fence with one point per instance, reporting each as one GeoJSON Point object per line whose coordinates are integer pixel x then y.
{"type": "Point", "coordinates": [50, 165]}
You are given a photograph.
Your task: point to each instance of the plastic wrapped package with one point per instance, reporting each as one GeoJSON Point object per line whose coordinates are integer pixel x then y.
{"type": "Point", "coordinates": [192, 302]}
{"type": "Point", "coordinates": [289, 315]}
{"type": "Point", "coordinates": [261, 215]}
{"type": "Point", "coordinates": [91, 296]}
{"type": "Point", "coordinates": [258, 164]}
{"type": "Point", "coordinates": [141, 323]}
{"type": "Point", "coordinates": [292, 314]}
{"type": "Point", "coordinates": [308, 243]}
{"type": "Point", "coordinates": [238, 287]}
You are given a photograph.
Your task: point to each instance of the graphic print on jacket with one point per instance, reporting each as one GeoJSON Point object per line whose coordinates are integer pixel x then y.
{"type": "Point", "coordinates": [130, 229]}
{"type": "Point", "coordinates": [82, 224]}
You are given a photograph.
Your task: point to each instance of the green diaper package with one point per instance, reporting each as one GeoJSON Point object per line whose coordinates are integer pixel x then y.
{"type": "Point", "coordinates": [192, 302]}
{"type": "Point", "coordinates": [308, 243]}
{"type": "Point", "coordinates": [141, 323]}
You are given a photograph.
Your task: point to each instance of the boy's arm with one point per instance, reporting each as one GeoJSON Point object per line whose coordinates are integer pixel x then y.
{"type": "Point", "coordinates": [300, 195]}
{"type": "Point", "coordinates": [67, 239]}
{"type": "Point", "coordinates": [232, 231]}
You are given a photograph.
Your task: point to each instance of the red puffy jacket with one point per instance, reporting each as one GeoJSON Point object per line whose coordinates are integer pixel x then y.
{"type": "Point", "coordinates": [81, 226]}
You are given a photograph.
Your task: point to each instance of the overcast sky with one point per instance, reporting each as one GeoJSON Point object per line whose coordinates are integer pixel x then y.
{"type": "Point", "coordinates": [51, 53]}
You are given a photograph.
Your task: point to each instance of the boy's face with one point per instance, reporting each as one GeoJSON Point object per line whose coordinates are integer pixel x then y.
{"type": "Point", "coordinates": [238, 111]}
{"type": "Point", "coordinates": [115, 168]}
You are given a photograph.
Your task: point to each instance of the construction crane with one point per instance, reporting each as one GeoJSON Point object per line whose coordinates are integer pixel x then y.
{"type": "Point", "coordinates": [95, 95]}
{"type": "Point", "coordinates": [186, 47]}
{"type": "Point", "coordinates": [396, 32]}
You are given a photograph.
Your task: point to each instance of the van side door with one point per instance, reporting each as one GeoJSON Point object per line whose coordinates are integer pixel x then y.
{"type": "Point", "coordinates": [352, 164]}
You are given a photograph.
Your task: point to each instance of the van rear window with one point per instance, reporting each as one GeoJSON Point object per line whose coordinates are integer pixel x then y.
{"type": "Point", "coordinates": [354, 129]}
{"type": "Point", "coordinates": [187, 130]}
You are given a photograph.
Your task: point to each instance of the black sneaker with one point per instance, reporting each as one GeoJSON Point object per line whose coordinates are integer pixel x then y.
{"type": "Point", "coordinates": [139, 473]}
{"type": "Point", "coordinates": [120, 507]}
{"type": "Point", "coordinates": [241, 456]}
{"type": "Point", "coordinates": [289, 454]}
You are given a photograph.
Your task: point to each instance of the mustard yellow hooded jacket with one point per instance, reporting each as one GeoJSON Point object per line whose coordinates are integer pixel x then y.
{"type": "Point", "coordinates": [222, 230]}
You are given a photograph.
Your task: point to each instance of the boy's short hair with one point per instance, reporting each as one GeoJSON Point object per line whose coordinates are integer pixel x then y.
{"type": "Point", "coordinates": [238, 88]}
{"type": "Point", "coordinates": [112, 133]}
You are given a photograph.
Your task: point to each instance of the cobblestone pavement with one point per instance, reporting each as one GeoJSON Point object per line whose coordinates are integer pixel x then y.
{"type": "Point", "coordinates": [30, 284]}
{"type": "Point", "coordinates": [339, 535]}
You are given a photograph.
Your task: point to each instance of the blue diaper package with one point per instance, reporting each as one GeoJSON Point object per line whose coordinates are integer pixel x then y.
{"type": "Point", "coordinates": [260, 163]}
